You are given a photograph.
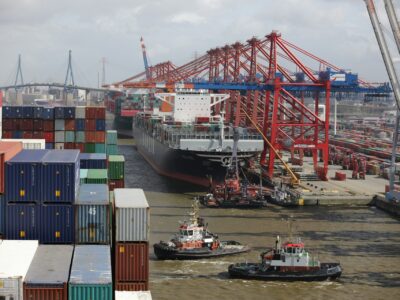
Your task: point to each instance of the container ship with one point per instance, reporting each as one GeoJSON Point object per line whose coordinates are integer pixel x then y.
{"type": "Point", "coordinates": [186, 137]}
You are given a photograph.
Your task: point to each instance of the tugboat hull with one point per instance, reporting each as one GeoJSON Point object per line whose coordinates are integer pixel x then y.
{"type": "Point", "coordinates": [164, 251]}
{"type": "Point", "coordinates": [253, 203]}
{"type": "Point", "coordinates": [328, 271]}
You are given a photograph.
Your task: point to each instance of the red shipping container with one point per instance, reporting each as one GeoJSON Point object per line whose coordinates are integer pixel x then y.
{"type": "Point", "coordinates": [100, 137]}
{"type": "Point", "coordinates": [90, 125]}
{"type": "Point", "coordinates": [131, 286]}
{"type": "Point", "coordinates": [48, 125]}
{"type": "Point", "coordinates": [18, 124]}
{"type": "Point", "coordinates": [101, 112]}
{"type": "Point", "coordinates": [46, 292]}
{"type": "Point", "coordinates": [27, 135]}
{"type": "Point", "coordinates": [69, 145]}
{"type": "Point", "coordinates": [80, 146]}
{"type": "Point", "coordinates": [48, 136]}
{"type": "Point", "coordinates": [38, 125]}
{"type": "Point", "coordinates": [132, 262]}
{"type": "Point", "coordinates": [9, 124]}
{"type": "Point", "coordinates": [7, 134]}
{"type": "Point", "coordinates": [70, 124]}
{"type": "Point", "coordinates": [7, 151]}
{"type": "Point", "coordinates": [90, 136]}
{"type": "Point", "coordinates": [116, 184]}
{"type": "Point", "coordinates": [90, 112]}
{"type": "Point", "coordinates": [37, 135]}
{"type": "Point", "coordinates": [27, 124]}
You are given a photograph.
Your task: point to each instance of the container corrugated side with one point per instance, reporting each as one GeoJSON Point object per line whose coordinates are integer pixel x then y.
{"type": "Point", "coordinates": [111, 137]}
{"type": "Point", "coordinates": [93, 161]}
{"type": "Point", "coordinates": [92, 223]}
{"type": "Point", "coordinates": [112, 149]}
{"type": "Point", "coordinates": [131, 262]}
{"type": "Point", "coordinates": [90, 291]}
{"type": "Point", "coordinates": [61, 172]}
{"type": "Point", "coordinates": [7, 151]}
{"type": "Point", "coordinates": [132, 215]}
{"type": "Point", "coordinates": [116, 164]}
{"type": "Point", "coordinates": [131, 286]}
{"type": "Point", "coordinates": [80, 112]}
{"type": "Point", "coordinates": [2, 216]}
{"type": "Point", "coordinates": [43, 292]}
{"type": "Point", "coordinates": [56, 224]}
{"type": "Point", "coordinates": [15, 259]}
{"type": "Point", "coordinates": [138, 295]}
{"type": "Point", "coordinates": [22, 221]}
{"type": "Point", "coordinates": [97, 176]}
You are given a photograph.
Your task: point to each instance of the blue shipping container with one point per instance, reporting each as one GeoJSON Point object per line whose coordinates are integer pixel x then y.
{"type": "Point", "coordinates": [24, 176]}
{"type": "Point", "coordinates": [2, 215]}
{"type": "Point", "coordinates": [22, 221]}
{"type": "Point", "coordinates": [18, 111]}
{"type": "Point", "coordinates": [69, 112]}
{"type": "Point", "coordinates": [56, 225]}
{"type": "Point", "coordinates": [38, 112]}
{"type": "Point", "coordinates": [27, 112]}
{"type": "Point", "coordinates": [8, 112]}
{"type": "Point", "coordinates": [17, 134]}
{"type": "Point", "coordinates": [92, 214]}
{"type": "Point", "coordinates": [61, 176]}
{"type": "Point", "coordinates": [48, 113]}
{"type": "Point", "coordinates": [49, 146]}
{"type": "Point", "coordinates": [93, 160]}
{"type": "Point", "coordinates": [80, 124]}
{"type": "Point", "coordinates": [59, 112]}
{"type": "Point", "coordinates": [100, 125]}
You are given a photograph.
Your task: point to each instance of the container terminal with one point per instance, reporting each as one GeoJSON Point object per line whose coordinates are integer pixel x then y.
{"type": "Point", "coordinates": [256, 130]}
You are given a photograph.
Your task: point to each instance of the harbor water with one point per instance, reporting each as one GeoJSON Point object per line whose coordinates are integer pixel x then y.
{"type": "Point", "coordinates": [365, 240]}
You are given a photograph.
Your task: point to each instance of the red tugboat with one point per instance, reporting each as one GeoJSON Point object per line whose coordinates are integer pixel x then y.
{"type": "Point", "coordinates": [287, 262]}
{"type": "Point", "coordinates": [194, 241]}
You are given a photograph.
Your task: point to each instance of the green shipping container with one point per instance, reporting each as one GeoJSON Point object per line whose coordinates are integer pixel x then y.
{"type": "Point", "coordinates": [90, 148]}
{"type": "Point", "coordinates": [80, 137]}
{"type": "Point", "coordinates": [116, 169]}
{"type": "Point", "coordinates": [97, 176]}
{"type": "Point", "coordinates": [111, 137]}
{"type": "Point", "coordinates": [83, 175]}
{"type": "Point", "coordinates": [100, 148]}
{"type": "Point", "coordinates": [70, 136]}
{"type": "Point", "coordinates": [112, 149]}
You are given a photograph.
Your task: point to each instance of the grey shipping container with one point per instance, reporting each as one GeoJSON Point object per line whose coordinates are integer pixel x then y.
{"type": "Point", "coordinates": [92, 214]}
{"type": "Point", "coordinates": [15, 259]}
{"type": "Point", "coordinates": [80, 112]}
{"type": "Point", "coordinates": [61, 176]}
{"type": "Point", "coordinates": [132, 217]}
{"type": "Point", "coordinates": [90, 276]}
{"type": "Point", "coordinates": [48, 274]}
{"type": "Point", "coordinates": [59, 124]}
{"type": "Point", "coordinates": [59, 136]}
{"type": "Point", "coordinates": [2, 216]}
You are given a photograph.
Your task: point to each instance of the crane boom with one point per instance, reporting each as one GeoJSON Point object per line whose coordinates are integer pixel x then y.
{"type": "Point", "coordinates": [146, 64]}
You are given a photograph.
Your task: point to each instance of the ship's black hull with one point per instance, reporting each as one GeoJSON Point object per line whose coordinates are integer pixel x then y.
{"type": "Point", "coordinates": [252, 271]}
{"type": "Point", "coordinates": [247, 204]}
{"type": "Point", "coordinates": [165, 252]}
{"type": "Point", "coordinates": [190, 166]}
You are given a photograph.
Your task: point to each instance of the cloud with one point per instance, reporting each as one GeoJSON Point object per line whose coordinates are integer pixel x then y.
{"type": "Point", "coordinates": [187, 17]}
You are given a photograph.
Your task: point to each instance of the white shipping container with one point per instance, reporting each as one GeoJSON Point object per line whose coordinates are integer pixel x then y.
{"type": "Point", "coordinates": [80, 112]}
{"type": "Point", "coordinates": [29, 143]}
{"type": "Point", "coordinates": [132, 215]}
{"type": "Point", "coordinates": [59, 146]}
{"type": "Point", "coordinates": [15, 259]}
{"type": "Point", "coordinates": [139, 295]}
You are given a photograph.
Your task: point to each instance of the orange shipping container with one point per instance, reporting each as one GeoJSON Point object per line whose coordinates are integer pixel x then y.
{"type": "Point", "coordinates": [100, 137]}
{"type": "Point", "coordinates": [132, 262]}
{"type": "Point", "coordinates": [7, 151]}
{"type": "Point", "coordinates": [90, 136]}
{"type": "Point", "coordinates": [69, 124]}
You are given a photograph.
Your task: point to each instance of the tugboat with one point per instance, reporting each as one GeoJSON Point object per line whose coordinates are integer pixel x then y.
{"type": "Point", "coordinates": [194, 241]}
{"type": "Point", "coordinates": [287, 262]}
{"type": "Point", "coordinates": [235, 192]}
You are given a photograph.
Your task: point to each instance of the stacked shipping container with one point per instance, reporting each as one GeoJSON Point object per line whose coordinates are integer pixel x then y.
{"type": "Point", "coordinates": [111, 140]}
{"type": "Point", "coordinates": [116, 171]}
{"type": "Point", "coordinates": [131, 258]}
{"type": "Point", "coordinates": [80, 127]}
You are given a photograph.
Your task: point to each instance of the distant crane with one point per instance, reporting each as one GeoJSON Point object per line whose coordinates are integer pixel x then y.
{"type": "Point", "coordinates": [146, 64]}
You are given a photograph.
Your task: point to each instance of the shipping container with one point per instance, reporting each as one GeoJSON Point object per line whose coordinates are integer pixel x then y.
{"type": "Point", "coordinates": [33, 144]}
{"type": "Point", "coordinates": [27, 135]}
{"type": "Point", "coordinates": [59, 146]}
{"type": "Point", "coordinates": [50, 146]}
{"type": "Point", "coordinates": [112, 149]}
{"type": "Point", "coordinates": [7, 134]}
{"type": "Point", "coordinates": [48, 125]}
{"type": "Point", "coordinates": [90, 276]}
{"type": "Point", "coordinates": [38, 112]}
{"type": "Point", "coordinates": [98, 176]}
{"type": "Point", "coordinates": [17, 134]}
{"type": "Point", "coordinates": [83, 175]}
{"type": "Point", "coordinates": [69, 146]}
{"type": "Point", "coordinates": [131, 286]}
{"type": "Point", "coordinates": [80, 147]}
{"type": "Point", "coordinates": [79, 136]}
{"type": "Point", "coordinates": [59, 124]}
{"type": "Point", "coordinates": [37, 125]}
{"type": "Point", "coordinates": [116, 184]}
{"type": "Point", "coordinates": [49, 137]}
{"type": "Point", "coordinates": [70, 124]}
{"type": "Point", "coordinates": [22, 221]}
{"type": "Point", "coordinates": [9, 124]}
{"type": "Point", "coordinates": [131, 262]}
{"type": "Point", "coordinates": [2, 216]}
{"type": "Point", "coordinates": [80, 112]}
{"type": "Point", "coordinates": [61, 176]}
{"type": "Point", "coordinates": [8, 112]}
{"type": "Point", "coordinates": [23, 176]}
{"type": "Point", "coordinates": [37, 135]}
{"type": "Point", "coordinates": [48, 113]}
{"type": "Point", "coordinates": [93, 161]}
{"type": "Point", "coordinates": [132, 216]}
{"type": "Point", "coordinates": [90, 125]}
{"type": "Point", "coordinates": [100, 112]}
{"type": "Point", "coordinates": [92, 212]}
{"type": "Point", "coordinates": [59, 112]}
{"type": "Point", "coordinates": [27, 112]}
{"type": "Point", "coordinates": [116, 164]}
{"type": "Point", "coordinates": [100, 137]}
{"type": "Point", "coordinates": [90, 136]}
{"type": "Point", "coordinates": [69, 112]}
{"type": "Point", "coordinates": [47, 277]}
{"type": "Point", "coordinates": [90, 112]}
{"type": "Point", "coordinates": [27, 124]}
{"type": "Point", "coordinates": [19, 114]}
{"type": "Point", "coordinates": [138, 295]}
{"type": "Point", "coordinates": [90, 148]}
{"type": "Point", "coordinates": [111, 137]}
{"type": "Point", "coordinates": [100, 125]}
{"type": "Point", "coordinates": [59, 136]}
{"type": "Point", "coordinates": [7, 151]}
{"type": "Point", "coordinates": [80, 124]}
{"type": "Point", "coordinates": [69, 136]}
{"type": "Point", "coordinates": [56, 225]}
{"type": "Point", "coordinates": [100, 148]}
{"type": "Point", "coordinates": [15, 259]}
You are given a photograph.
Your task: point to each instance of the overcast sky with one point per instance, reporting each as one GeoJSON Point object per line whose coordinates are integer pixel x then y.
{"type": "Point", "coordinates": [44, 30]}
